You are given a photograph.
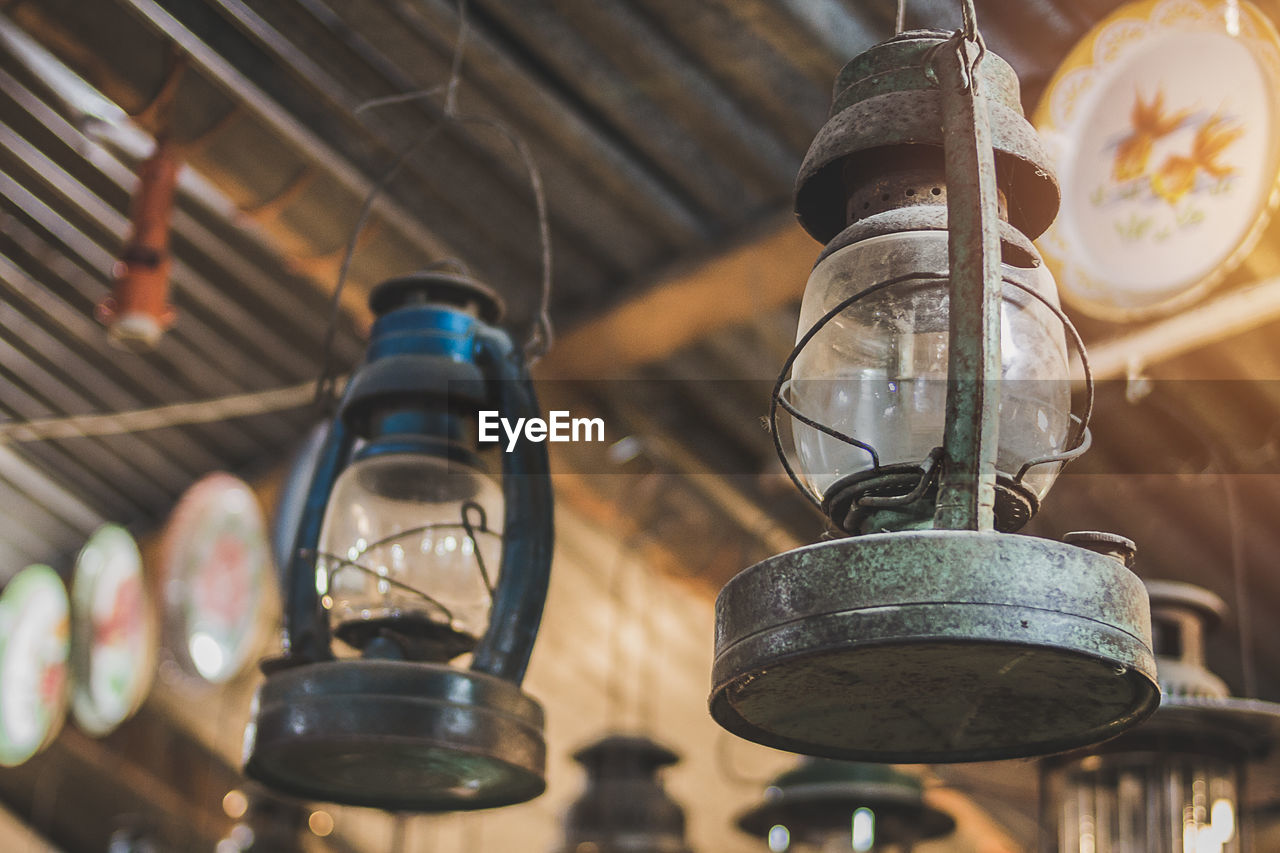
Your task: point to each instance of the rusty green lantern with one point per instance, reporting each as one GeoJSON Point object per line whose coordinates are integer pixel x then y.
{"type": "Point", "coordinates": [929, 402]}
{"type": "Point", "coordinates": [826, 806]}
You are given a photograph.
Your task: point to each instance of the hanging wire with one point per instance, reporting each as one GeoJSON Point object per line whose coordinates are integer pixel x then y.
{"type": "Point", "coordinates": [970, 16]}
{"type": "Point", "coordinates": [900, 20]}
{"type": "Point", "coordinates": [541, 333]}
{"type": "Point", "coordinates": [399, 832]}
{"type": "Point", "coordinates": [322, 392]}
{"type": "Point", "coordinates": [160, 417]}
{"type": "Point", "coordinates": [639, 500]}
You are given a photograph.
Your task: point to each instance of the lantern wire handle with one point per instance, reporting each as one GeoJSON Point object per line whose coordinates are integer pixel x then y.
{"type": "Point", "coordinates": [541, 334]}
{"type": "Point", "coordinates": [1079, 443]}
{"type": "Point", "coordinates": [900, 20]}
{"type": "Point", "coordinates": [467, 508]}
{"type": "Point", "coordinates": [472, 529]}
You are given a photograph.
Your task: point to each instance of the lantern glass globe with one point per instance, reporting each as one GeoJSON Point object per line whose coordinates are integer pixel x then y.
{"type": "Point", "coordinates": [877, 371]}
{"type": "Point", "coordinates": [395, 554]}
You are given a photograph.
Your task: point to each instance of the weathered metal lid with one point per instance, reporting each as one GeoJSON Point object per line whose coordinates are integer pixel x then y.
{"type": "Point", "coordinates": [933, 646]}
{"type": "Point", "coordinates": [819, 797]}
{"type": "Point", "coordinates": [399, 736]}
{"type": "Point", "coordinates": [886, 98]}
{"type": "Point", "coordinates": [438, 286]}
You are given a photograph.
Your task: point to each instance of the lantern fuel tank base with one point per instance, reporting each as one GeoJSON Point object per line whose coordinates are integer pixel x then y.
{"type": "Point", "coordinates": [933, 646]}
{"type": "Point", "coordinates": [413, 737]}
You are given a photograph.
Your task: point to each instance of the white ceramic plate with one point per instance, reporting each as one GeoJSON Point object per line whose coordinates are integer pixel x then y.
{"type": "Point", "coordinates": [1162, 124]}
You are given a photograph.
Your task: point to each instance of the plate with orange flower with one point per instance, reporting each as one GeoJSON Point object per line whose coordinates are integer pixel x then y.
{"type": "Point", "coordinates": [1162, 124]}
{"type": "Point", "coordinates": [34, 648]}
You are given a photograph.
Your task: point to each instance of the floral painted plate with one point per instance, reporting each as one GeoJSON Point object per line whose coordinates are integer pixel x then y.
{"type": "Point", "coordinates": [113, 643]}
{"type": "Point", "coordinates": [34, 647]}
{"type": "Point", "coordinates": [217, 569]}
{"type": "Point", "coordinates": [1162, 125]}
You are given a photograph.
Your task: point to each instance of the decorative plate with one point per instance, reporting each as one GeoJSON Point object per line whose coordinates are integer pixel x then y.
{"type": "Point", "coordinates": [113, 643]}
{"type": "Point", "coordinates": [216, 565]}
{"type": "Point", "coordinates": [34, 647]}
{"type": "Point", "coordinates": [1162, 124]}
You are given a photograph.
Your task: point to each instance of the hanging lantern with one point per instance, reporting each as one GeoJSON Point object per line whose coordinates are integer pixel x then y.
{"type": "Point", "coordinates": [1177, 783]}
{"type": "Point", "coordinates": [625, 808]}
{"type": "Point", "coordinates": [137, 313]}
{"type": "Point", "coordinates": [827, 806]}
{"type": "Point", "coordinates": [407, 556]}
{"type": "Point", "coordinates": [929, 405]}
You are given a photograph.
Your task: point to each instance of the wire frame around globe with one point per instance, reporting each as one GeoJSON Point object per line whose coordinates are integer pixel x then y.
{"type": "Point", "coordinates": [908, 483]}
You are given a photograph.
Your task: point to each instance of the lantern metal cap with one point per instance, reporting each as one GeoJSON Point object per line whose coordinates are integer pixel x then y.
{"type": "Point", "coordinates": [887, 104]}
{"type": "Point", "coordinates": [933, 646]}
{"type": "Point", "coordinates": [1105, 543]}
{"type": "Point", "coordinates": [620, 750]}
{"type": "Point", "coordinates": [399, 736]}
{"type": "Point", "coordinates": [820, 796]}
{"type": "Point", "coordinates": [453, 287]}
{"type": "Point", "coordinates": [1166, 594]}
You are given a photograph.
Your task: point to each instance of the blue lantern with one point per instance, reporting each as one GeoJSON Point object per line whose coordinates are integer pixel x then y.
{"type": "Point", "coordinates": [407, 557]}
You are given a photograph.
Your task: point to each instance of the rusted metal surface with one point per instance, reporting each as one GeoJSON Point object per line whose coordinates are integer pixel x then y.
{"type": "Point", "coordinates": [967, 487]}
{"type": "Point", "coordinates": [890, 101]}
{"type": "Point", "coordinates": [933, 646]}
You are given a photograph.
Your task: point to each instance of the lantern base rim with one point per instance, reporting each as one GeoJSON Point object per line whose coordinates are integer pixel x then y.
{"type": "Point", "coordinates": [1247, 728]}
{"type": "Point", "coordinates": [396, 735]}
{"type": "Point", "coordinates": [933, 646]}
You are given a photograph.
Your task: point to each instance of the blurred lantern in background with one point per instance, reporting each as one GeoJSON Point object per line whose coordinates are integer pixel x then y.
{"type": "Point", "coordinates": [34, 650]}
{"type": "Point", "coordinates": [827, 806]}
{"type": "Point", "coordinates": [215, 565]}
{"type": "Point", "coordinates": [624, 808]}
{"type": "Point", "coordinates": [410, 555]}
{"type": "Point", "coordinates": [137, 313]}
{"type": "Point", "coordinates": [113, 638]}
{"type": "Point", "coordinates": [929, 403]}
{"type": "Point", "coordinates": [1177, 783]}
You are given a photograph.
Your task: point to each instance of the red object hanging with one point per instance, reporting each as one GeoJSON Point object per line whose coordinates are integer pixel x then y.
{"type": "Point", "coordinates": [138, 312]}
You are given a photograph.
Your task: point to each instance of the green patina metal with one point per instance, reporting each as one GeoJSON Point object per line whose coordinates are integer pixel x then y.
{"type": "Point", "coordinates": [933, 646]}
{"type": "Point", "coordinates": [967, 490]}
{"type": "Point", "coordinates": [819, 796]}
{"type": "Point", "coordinates": [956, 643]}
